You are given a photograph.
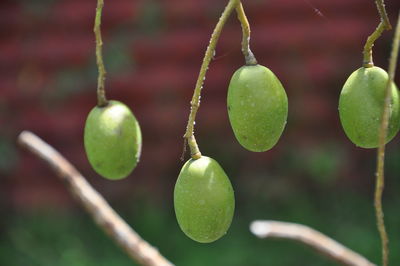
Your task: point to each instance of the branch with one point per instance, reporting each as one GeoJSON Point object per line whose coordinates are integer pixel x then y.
{"type": "Point", "coordinates": [105, 217]}
{"type": "Point", "coordinates": [380, 165]}
{"type": "Point", "coordinates": [310, 237]}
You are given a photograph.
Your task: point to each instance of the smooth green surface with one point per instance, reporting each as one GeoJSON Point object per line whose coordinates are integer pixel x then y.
{"type": "Point", "coordinates": [257, 107]}
{"type": "Point", "coordinates": [361, 106]}
{"type": "Point", "coordinates": [204, 200]}
{"type": "Point", "coordinates": [113, 140]}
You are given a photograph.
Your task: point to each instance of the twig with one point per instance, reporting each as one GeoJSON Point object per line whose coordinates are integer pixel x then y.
{"type": "Point", "coordinates": [383, 25]}
{"type": "Point", "coordinates": [101, 93]}
{"type": "Point", "coordinates": [382, 13]}
{"type": "Point", "coordinates": [195, 103]}
{"type": "Point", "coordinates": [380, 172]}
{"type": "Point", "coordinates": [367, 60]}
{"type": "Point", "coordinates": [249, 58]}
{"type": "Point", "coordinates": [248, 54]}
{"type": "Point", "coordinates": [101, 212]}
{"type": "Point", "coordinates": [310, 237]}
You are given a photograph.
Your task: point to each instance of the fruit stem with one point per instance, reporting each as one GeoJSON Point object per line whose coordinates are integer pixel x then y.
{"type": "Point", "coordinates": [383, 25]}
{"type": "Point", "coordinates": [382, 13]}
{"type": "Point", "coordinates": [101, 94]}
{"type": "Point", "coordinates": [195, 102]}
{"type": "Point", "coordinates": [248, 54]}
{"type": "Point", "coordinates": [380, 178]}
{"type": "Point", "coordinates": [368, 61]}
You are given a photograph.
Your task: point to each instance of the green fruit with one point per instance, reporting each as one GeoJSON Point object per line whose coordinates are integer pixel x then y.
{"type": "Point", "coordinates": [257, 107]}
{"type": "Point", "coordinates": [203, 199]}
{"type": "Point", "coordinates": [361, 106]}
{"type": "Point", "coordinates": [113, 140]}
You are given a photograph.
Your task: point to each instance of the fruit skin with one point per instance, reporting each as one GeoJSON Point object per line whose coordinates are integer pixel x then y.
{"type": "Point", "coordinates": [361, 107]}
{"type": "Point", "coordinates": [112, 140]}
{"type": "Point", "coordinates": [257, 107]}
{"type": "Point", "coordinates": [204, 200]}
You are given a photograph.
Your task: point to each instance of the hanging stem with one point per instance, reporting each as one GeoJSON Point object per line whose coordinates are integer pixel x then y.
{"type": "Point", "coordinates": [380, 179]}
{"type": "Point", "coordinates": [101, 94]}
{"type": "Point", "coordinates": [383, 25]}
{"type": "Point", "coordinates": [248, 55]}
{"type": "Point", "coordinates": [382, 13]}
{"type": "Point", "coordinates": [368, 61]}
{"type": "Point", "coordinates": [195, 102]}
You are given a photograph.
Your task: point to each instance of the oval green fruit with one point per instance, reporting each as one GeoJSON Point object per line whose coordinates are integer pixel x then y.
{"type": "Point", "coordinates": [257, 107]}
{"type": "Point", "coordinates": [204, 200]}
{"type": "Point", "coordinates": [113, 140]}
{"type": "Point", "coordinates": [361, 106]}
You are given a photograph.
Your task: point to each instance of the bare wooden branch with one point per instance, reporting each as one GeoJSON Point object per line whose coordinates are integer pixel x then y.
{"type": "Point", "coordinates": [310, 237]}
{"type": "Point", "coordinates": [102, 213]}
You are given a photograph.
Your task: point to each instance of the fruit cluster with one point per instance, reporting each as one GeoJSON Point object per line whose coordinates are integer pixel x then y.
{"type": "Point", "coordinates": [203, 197]}
{"type": "Point", "coordinates": [257, 106]}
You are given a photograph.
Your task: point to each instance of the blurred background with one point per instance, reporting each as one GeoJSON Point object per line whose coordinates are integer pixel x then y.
{"type": "Point", "coordinates": [152, 51]}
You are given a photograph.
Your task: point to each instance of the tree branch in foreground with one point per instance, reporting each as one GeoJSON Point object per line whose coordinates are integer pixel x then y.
{"type": "Point", "coordinates": [310, 237]}
{"type": "Point", "coordinates": [101, 212]}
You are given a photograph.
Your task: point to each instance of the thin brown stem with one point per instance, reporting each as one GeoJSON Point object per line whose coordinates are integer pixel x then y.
{"type": "Point", "coordinates": [383, 25]}
{"type": "Point", "coordinates": [101, 94]}
{"type": "Point", "coordinates": [310, 237]}
{"type": "Point", "coordinates": [102, 213]}
{"type": "Point", "coordinates": [195, 102]}
{"type": "Point", "coordinates": [248, 54]}
{"type": "Point", "coordinates": [380, 171]}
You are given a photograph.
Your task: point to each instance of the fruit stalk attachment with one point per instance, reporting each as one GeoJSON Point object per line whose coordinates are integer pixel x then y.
{"type": "Point", "coordinates": [248, 54]}
{"type": "Point", "coordinates": [380, 180]}
{"type": "Point", "coordinates": [383, 25]}
{"type": "Point", "coordinates": [195, 102]}
{"type": "Point", "coordinates": [101, 94]}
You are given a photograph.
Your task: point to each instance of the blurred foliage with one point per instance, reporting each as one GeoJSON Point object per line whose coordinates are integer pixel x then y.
{"type": "Point", "coordinates": [38, 8]}
{"type": "Point", "coordinates": [150, 20]}
{"type": "Point", "coordinates": [54, 237]}
{"type": "Point", "coordinates": [9, 156]}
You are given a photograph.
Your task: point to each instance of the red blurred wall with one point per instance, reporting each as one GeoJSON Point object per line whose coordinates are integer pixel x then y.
{"type": "Point", "coordinates": [153, 51]}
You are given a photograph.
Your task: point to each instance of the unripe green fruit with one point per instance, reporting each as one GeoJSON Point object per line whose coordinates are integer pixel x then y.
{"type": "Point", "coordinates": [113, 140]}
{"type": "Point", "coordinates": [204, 200]}
{"type": "Point", "coordinates": [257, 107]}
{"type": "Point", "coordinates": [361, 106]}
